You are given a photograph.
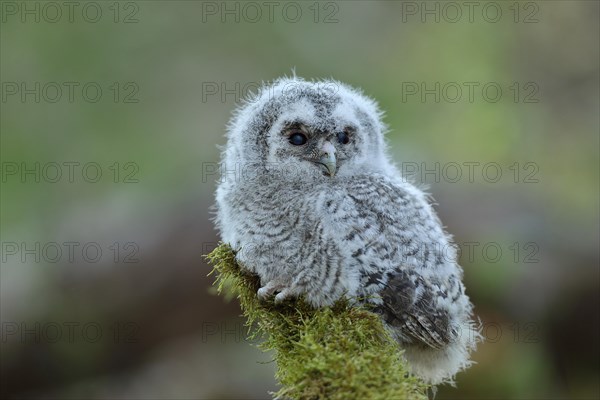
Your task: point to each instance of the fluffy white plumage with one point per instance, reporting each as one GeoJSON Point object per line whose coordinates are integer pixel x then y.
{"type": "Point", "coordinates": [312, 203]}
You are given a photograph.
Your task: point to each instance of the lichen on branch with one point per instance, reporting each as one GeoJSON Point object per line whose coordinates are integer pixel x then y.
{"type": "Point", "coordinates": [339, 352]}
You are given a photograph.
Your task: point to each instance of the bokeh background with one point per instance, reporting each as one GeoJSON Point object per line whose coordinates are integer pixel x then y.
{"type": "Point", "coordinates": [104, 291]}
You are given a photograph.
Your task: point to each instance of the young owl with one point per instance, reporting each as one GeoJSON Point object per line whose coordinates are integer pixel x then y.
{"type": "Point", "coordinates": [313, 205]}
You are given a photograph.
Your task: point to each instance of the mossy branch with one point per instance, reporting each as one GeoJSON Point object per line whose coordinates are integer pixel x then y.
{"type": "Point", "coordinates": [338, 352]}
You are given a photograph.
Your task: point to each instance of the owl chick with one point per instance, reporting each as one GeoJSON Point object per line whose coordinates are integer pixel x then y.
{"type": "Point", "coordinates": [312, 204]}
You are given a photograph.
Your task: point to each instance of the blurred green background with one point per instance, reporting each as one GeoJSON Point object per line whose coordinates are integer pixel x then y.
{"type": "Point", "coordinates": [128, 312]}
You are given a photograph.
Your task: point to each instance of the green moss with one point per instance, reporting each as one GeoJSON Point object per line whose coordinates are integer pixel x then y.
{"type": "Point", "coordinates": [338, 352]}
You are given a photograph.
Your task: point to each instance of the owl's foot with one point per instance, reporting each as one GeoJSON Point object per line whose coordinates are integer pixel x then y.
{"type": "Point", "coordinates": [273, 287]}
{"type": "Point", "coordinates": [270, 288]}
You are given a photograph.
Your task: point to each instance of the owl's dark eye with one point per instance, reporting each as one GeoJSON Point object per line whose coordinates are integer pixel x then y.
{"type": "Point", "coordinates": [298, 139]}
{"type": "Point", "coordinates": [343, 138]}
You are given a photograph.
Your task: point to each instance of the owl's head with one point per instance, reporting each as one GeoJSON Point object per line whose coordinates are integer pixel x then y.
{"type": "Point", "coordinates": [307, 131]}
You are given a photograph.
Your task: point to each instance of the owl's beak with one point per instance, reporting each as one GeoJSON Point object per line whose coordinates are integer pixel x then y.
{"type": "Point", "coordinates": [327, 158]}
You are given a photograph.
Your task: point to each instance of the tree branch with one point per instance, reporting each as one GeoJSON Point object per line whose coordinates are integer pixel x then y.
{"type": "Point", "coordinates": [339, 352]}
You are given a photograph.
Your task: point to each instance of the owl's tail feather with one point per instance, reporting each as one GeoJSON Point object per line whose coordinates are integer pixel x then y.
{"type": "Point", "coordinates": [440, 365]}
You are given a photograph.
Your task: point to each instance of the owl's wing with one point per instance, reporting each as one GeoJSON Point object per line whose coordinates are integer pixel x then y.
{"type": "Point", "coordinates": [420, 320]}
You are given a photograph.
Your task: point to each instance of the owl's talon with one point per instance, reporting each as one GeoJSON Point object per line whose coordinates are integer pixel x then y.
{"type": "Point", "coordinates": [265, 292]}
{"type": "Point", "coordinates": [272, 287]}
{"type": "Point", "coordinates": [283, 295]}
{"type": "Point", "coordinates": [269, 289]}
